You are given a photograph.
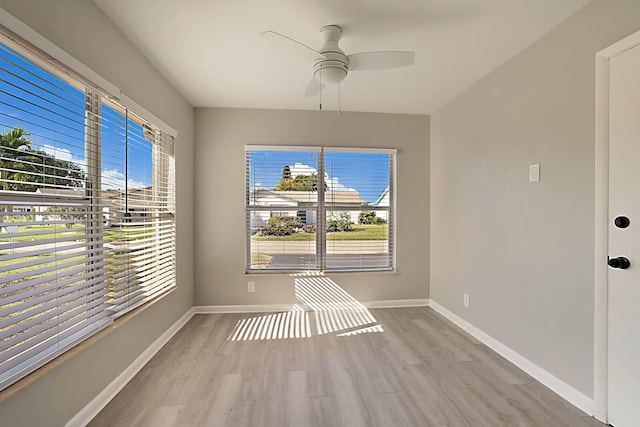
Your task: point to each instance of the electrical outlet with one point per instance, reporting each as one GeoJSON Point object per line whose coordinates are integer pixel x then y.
{"type": "Point", "coordinates": [534, 172]}
{"type": "Point", "coordinates": [466, 300]}
{"type": "Point", "coordinates": [251, 286]}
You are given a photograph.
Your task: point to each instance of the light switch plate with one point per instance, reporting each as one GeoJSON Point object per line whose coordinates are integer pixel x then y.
{"type": "Point", "coordinates": [534, 172]}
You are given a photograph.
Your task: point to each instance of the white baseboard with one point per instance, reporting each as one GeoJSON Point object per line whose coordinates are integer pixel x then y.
{"type": "Point", "coordinates": [397, 303]}
{"type": "Point", "coordinates": [92, 409]}
{"type": "Point", "coordinates": [256, 308]}
{"type": "Point", "coordinates": [573, 396]}
{"type": "Point", "coordinates": [268, 308]}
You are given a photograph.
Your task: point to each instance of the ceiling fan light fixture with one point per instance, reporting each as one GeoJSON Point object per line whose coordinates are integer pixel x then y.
{"type": "Point", "coordinates": [330, 75]}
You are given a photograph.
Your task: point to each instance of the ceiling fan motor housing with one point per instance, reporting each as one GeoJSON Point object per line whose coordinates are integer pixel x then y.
{"type": "Point", "coordinates": [333, 67]}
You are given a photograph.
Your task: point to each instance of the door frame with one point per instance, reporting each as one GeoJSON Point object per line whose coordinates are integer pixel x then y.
{"type": "Point", "coordinates": [601, 313]}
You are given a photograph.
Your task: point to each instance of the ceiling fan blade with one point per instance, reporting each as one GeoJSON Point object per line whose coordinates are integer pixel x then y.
{"type": "Point", "coordinates": [275, 34]}
{"type": "Point", "coordinates": [313, 88]}
{"type": "Point", "coordinates": [380, 60]}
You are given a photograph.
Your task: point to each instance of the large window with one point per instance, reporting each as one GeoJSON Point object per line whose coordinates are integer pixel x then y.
{"type": "Point", "coordinates": [86, 210]}
{"type": "Point", "coordinates": [327, 209]}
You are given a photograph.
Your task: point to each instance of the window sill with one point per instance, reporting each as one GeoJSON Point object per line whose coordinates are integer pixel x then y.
{"type": "Point", "coordinates": [272, 273]}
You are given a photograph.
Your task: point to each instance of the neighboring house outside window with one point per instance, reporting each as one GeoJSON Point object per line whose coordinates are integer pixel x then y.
{"type": "Point", "coordinates": [291, 226]}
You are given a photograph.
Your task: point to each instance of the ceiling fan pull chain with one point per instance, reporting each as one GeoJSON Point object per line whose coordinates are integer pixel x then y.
{"type": "Point", "coordinates": [320, 90]}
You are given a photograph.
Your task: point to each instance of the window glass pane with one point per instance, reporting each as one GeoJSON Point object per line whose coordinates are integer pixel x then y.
{"type": "Point", "coordinates": [357, 210]}
{"type": "Point", "coordinates": [113, 140]}
{"type": "Point", "coordinates": [357, 240]}
{"type": "Point", "coordinates": [281, 240]}
{"type": "Point", "coordinates": [282, 196]}
{"type": "Point", "coordinates": [137, 171]}
{"type": "Point", "coordinates": [349, 228]}
{"type": "Point", "coordinates": [42, 127]}
{"type": "Point", "coordinates": [282, 178]}
{"type": "Point", "coordinates": [363, 176]}
{"type": "Point", "coordinates": [51, 256]}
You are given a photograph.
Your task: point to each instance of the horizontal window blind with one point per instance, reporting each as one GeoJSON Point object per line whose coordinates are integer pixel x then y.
{"type": "Point", "coordinates": [139, 206]}
{"type": "Point", "coordinates": [87, 209]}
{"type": "Point", "coordinates": [282, 202]}
{"type": "Point", "coordinates": [323, 209]}
{"type": "Point", "coordinates": [359, 213]}
{"type": "Point", "coordinates": [52, 294]}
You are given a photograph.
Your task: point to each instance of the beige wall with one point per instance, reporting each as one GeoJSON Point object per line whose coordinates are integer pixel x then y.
{"type": "Point", "coordinates": [524, 251]}
{"type": "Point", "coordinates": [219, 213]}
{"type": "Point", "coordinates": [78, 27]}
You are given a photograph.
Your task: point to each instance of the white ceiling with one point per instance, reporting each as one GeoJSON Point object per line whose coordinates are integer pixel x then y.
{"type": "Point", "coordinates": [212, 52]}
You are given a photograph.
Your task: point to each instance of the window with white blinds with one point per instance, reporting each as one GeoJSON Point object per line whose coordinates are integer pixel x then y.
{"type": "Point", "coordinates": [319, 208]}
{"type": "Point", "coordinates": [87, 208]}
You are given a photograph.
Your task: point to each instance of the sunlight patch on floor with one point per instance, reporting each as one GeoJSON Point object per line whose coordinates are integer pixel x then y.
{"type": "Point", "coordinates": [331, 307]}
{"type": "Point", "coordinates": [368, 330]}
{"type": "Point", "coordinates": [276, 326]}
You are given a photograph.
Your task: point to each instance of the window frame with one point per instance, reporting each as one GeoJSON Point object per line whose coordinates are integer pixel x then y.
{"type": "Point", "coordinates": [53, 60]}
{"type": "Point", "coordinates": [321, 208]}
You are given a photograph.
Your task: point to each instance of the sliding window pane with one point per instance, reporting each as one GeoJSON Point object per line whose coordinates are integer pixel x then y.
{"type": "Point", "coordinates": [281, 241]}
{"type": "Point", "coordinates": [52, 259]}
{"type": "Point", "coordinates": [358, 210]}
{"type": "Point", "coordinates": [282, 209]}
{"type": "Point", "coordinates": [139, 208]}
{"type": "Point", "coordinates": [354, 244]}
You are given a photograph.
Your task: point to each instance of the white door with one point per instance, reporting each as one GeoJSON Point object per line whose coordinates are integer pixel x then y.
{"type": "Point", "coordinates": [624, 201]}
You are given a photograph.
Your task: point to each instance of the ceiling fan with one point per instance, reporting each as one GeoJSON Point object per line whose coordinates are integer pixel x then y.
{"type": "Point", "coordinates": [331, 65]}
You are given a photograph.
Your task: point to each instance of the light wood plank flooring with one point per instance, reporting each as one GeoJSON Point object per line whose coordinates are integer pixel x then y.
{"type": "Point", "coordinates": [421, 370]}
